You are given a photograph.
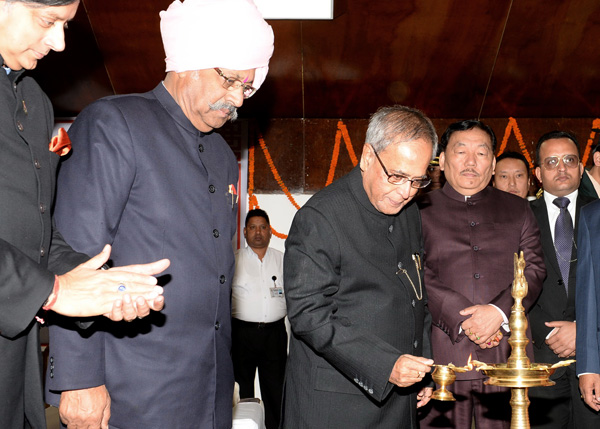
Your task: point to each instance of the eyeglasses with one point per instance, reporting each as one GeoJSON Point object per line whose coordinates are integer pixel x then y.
{"type": "Point", "coordinates": [570, 161]}
{"type": "Point", "coordinates": [401, 179]}
{"type": "Point", "coordinates": [232, 84]}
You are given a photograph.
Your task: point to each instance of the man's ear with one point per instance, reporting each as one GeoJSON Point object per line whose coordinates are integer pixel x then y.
{"type": "Point", "coordinates": [538, 174]}
{"type": "Point", "coordinates": [442, 160]}
{"type": "Point", "coordinates": [366, 158]}
{"type": "Point", "coordinates": [596, 159]}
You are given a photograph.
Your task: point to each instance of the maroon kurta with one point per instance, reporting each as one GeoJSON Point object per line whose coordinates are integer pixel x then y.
{"type": "Point", "coordinates": [469, 248]}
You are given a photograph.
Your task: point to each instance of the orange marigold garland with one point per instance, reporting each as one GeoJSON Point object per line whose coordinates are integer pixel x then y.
{"type": "Point", "coordinates": [512, 125]}
{"type": "Point", "coordinates": [275, 173]}
{"type": "Point", "coordinates": [342, 132]}
{"type": "Point", "coordinates": [590, 142]}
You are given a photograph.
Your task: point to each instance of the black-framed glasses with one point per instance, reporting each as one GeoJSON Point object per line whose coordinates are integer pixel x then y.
{"type": "Point", "coordinates": [570, 161]}
{"type": "Point", "coordinates": [401, 179]}
{"type": "Point", "coordinates": [232, 84]}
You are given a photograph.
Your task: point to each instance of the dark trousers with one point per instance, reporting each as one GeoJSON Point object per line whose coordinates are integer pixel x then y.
{"type": "Point", "coordinates": [262, 346]}
{"type": "Point", "coordinates": [560, 406]}
{"type": "Point", "coordinates": [488, 405]}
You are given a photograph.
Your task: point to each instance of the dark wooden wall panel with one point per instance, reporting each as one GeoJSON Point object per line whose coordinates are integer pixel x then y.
{"type": "Point", "coordinates": [128, 34]}
{"type": "Point", "coordinates": [539, 58]}
{"type": "Point", "coordinates": [410, 52]}
{"type": "Point", "coordinates": [547, 65]}
{"type": "Point", "coordinates": [320, 143]}
{"type": "Point", "coordinates": [304, 162]}
{"type": "Point", "coordinates": [284, 140]}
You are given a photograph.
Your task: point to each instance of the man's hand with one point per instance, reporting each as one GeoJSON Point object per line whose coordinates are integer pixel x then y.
{"type": "Point", "coordinates": [409, 370]}
{"type": "Point", "coordinates": [128, 310]}
{"type": "Point", "coordinates": [87, 291]}
{"type": "Point", "coordinates": [562, 338]}
{"type": "Point", "coordinates": [424, 396]}
{"type": "Point", "coordinates": [85, 408]}
{"type": "Point", "coordinates": [494, 342]}
{"type": "Point", "coordinates": [484, 323]}
{"type": "Point", "coordinates": [589, 386]}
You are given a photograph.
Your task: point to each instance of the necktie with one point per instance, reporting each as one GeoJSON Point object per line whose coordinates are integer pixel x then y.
{"type": "Point", "coordinates": [563, 238]}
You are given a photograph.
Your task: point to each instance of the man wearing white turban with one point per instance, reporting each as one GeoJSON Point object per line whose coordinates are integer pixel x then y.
{"type": "Point", "coordinates": [147, 169]}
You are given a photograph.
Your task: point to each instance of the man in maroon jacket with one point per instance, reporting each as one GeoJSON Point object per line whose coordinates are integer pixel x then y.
{"type": "Point", "coordinates": [471, 233]}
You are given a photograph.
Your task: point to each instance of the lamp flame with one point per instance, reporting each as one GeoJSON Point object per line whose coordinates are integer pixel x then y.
{"type": "Point", "coordinates": [469, 364]}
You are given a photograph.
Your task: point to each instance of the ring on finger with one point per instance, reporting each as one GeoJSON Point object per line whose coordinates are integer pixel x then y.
{"type": "Point", "coordinates": [122, 287]}
{"type": "Point", "coordinates": [476, 337]}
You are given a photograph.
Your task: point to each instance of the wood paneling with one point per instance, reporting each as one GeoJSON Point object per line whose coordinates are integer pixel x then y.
{"type": "Point", "coordinates": [538, 57]}
{"type": "Point", "coordinates": [304, 163]}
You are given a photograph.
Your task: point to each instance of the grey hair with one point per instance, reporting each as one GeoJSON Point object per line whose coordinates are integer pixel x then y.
{"type": "Point", "coordinates": [390, 123]}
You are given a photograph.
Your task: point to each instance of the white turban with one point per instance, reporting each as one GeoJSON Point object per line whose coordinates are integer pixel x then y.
{"type": "Point", "coordinates": [203, 34]}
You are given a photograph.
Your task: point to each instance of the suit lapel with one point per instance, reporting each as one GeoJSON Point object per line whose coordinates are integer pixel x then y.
{"type": "Point", "coordinates": [581, 201]}
{"type": "Point", "coordinates": [541, 213]}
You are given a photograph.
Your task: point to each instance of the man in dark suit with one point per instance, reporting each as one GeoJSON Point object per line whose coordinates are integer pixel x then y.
{"type": "Point", "coordinates": [471, 232]}
{"type": "Point", "coordinates": [148, 173]}
{"type": "Point", "coordinates": [587, 305]}
{"type": "Point", "coordinates": [37, 267]}
{"type": "Point", "coordinates": [590, 180]}
{"type": "Point", "coordinates": [553, 316]}
{"type": "Point", "coordinates": [354, 290]}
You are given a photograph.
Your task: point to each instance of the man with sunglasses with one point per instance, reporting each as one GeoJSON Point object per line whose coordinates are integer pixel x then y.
{"type": "Point", "coordinates": [471, 232]}
{"type": "Point", "coordinates": [354, 290]}
{"type": "Point", "coordinates": [147, 169]}
{"type": "Point", "coordinates": [553, 318]}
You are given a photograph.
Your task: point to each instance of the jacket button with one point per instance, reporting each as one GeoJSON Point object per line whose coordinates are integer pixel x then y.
{"type": "Point", "coordinates": [391, 228]}
{"type": "Point", "coordinates": [371, 391]}
{"type": "Point", "coordinates": [416, 344]}
{"type": "Point", "coordinates": [473, 223]}
{"type": "Point", "coordinates": [222, 279]}
{"type": "Point", "coordinates": [51, 359]}
{"type": "Point", "coordinates": [200, 148]}
{"type": "Point", "coordinates": [216, 233]}
{"type": "Point", "coordinates": [42, 251]}
{"type": "Point", "coordinates": [37, 164]}
{"type": "Point", "coordinates": [42, 208]}
{"type": "Point", "coordinates": [217, 326]}
{"type": "Point", "coordinates": [413, 303]}
{"type": "Point", "coordinates": [211, 189]}
{"type": "Point", "coordinates": [20, 126]}
{"type": "Point", "coordinates": [476, 275]}
{"type": "Point", "coordinates": [476, 248]}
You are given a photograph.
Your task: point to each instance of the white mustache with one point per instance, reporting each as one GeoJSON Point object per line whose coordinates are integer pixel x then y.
{"type": "Point", "coordinates": [224, 105]}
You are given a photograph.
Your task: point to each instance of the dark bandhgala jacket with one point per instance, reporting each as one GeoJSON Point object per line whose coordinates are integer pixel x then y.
{"type": "Point", "coordinates": [587, 302]}
{"type": "Point", "coordinates": [553, 303]}
{"type": "Point", "coordinates": [143, 179]}
{"type": "Point", "coordinates": [352, 312]}
{"type": "Point", "coordinates": [469, 260]}
{"type": "Point", "coordinates": [31, 250]}
{"type": "Point", "coordinates": [586, 187]}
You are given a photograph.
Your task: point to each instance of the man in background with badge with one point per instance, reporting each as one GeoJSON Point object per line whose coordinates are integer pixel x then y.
{"type": "Point", "coordinates": [259, 338]}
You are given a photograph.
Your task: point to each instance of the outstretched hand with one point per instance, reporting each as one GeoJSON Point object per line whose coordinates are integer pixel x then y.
{"type": "Point", "coordinates": [87, 291]}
